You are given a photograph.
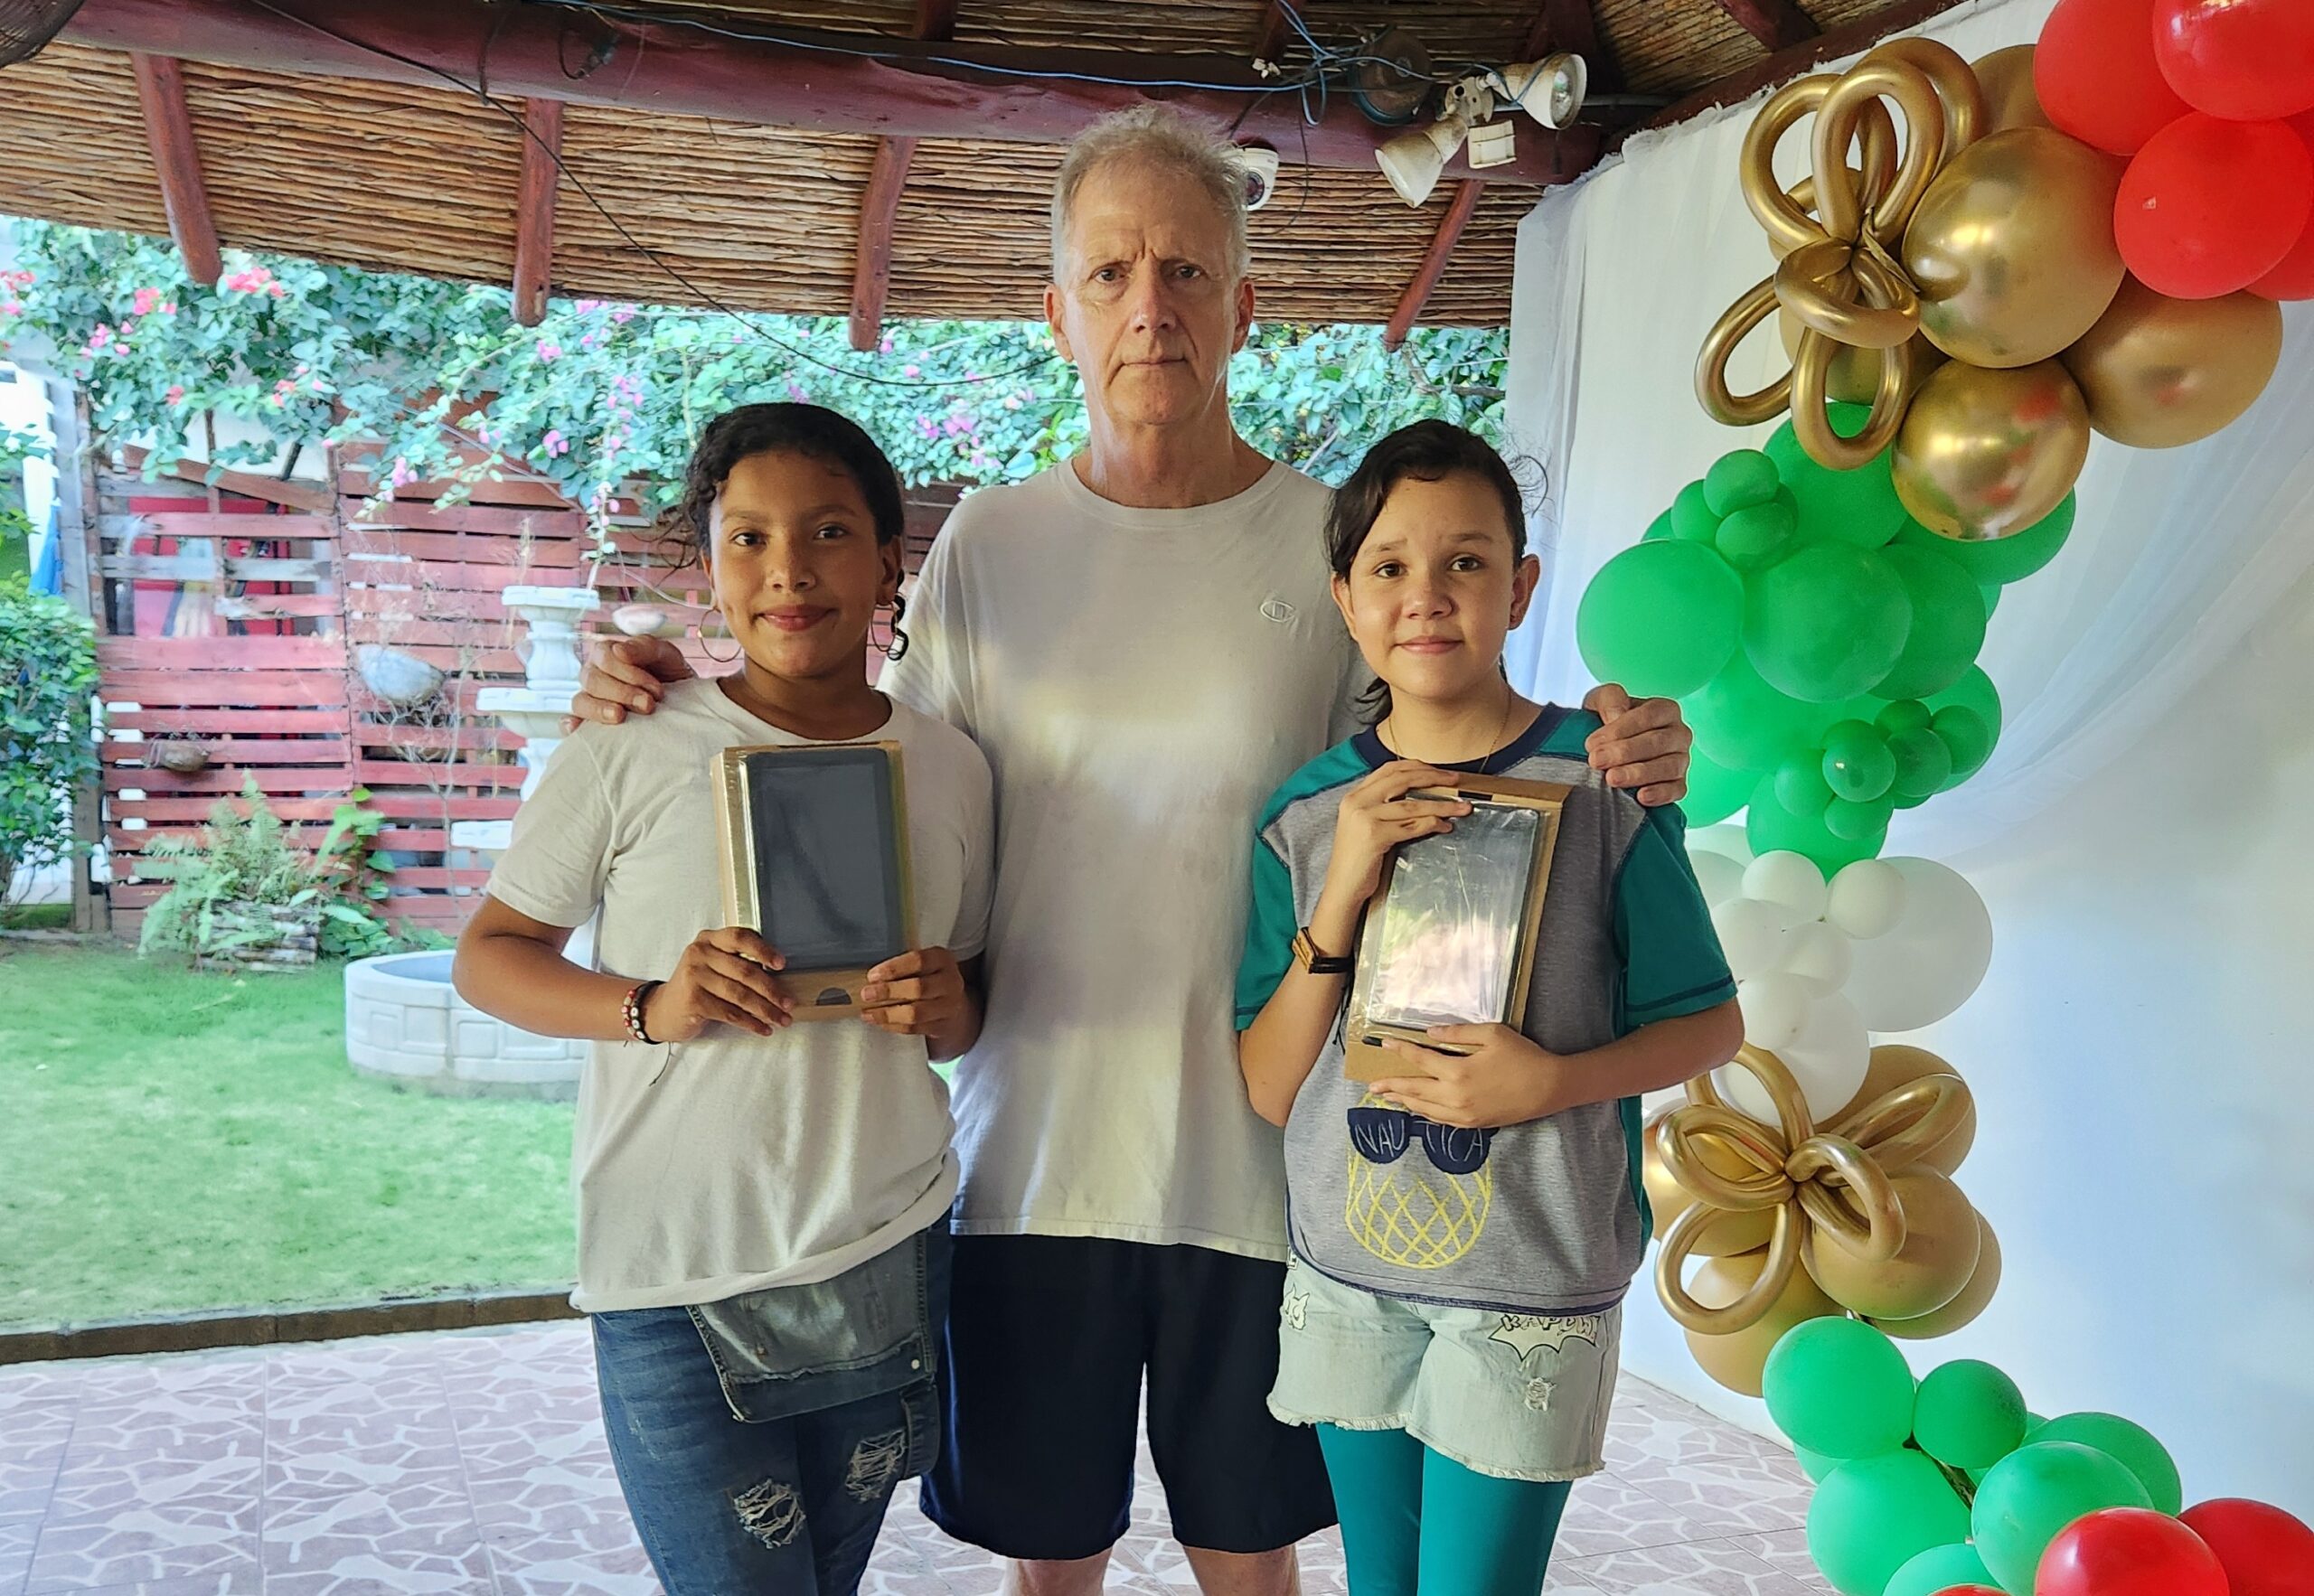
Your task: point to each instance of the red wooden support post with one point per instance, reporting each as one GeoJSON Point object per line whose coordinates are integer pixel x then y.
{"type": "Point", "coordinates": [871, 264]}
{"type": "Point", "coordinates": [1777, 24]}
{"type": "Point", "coordinates": [176, 160]}
{"type": "Point", "coordinates": [534, 211]}
{"type": "Point", "coordinates": [1434, 265]}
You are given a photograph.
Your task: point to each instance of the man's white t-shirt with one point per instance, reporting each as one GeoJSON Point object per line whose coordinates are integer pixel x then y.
{"type": "Point", "coordinates": [734, 1162]}
{"type": "Point", "coordinates": [1140, 680]}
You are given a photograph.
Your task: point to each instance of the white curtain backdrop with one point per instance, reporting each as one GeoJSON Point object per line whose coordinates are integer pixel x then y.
{"type": "Point", "coordinates": [2175, 553]}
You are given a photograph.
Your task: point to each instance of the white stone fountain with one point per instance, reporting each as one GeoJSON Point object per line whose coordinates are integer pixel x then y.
{"type": "Point", "coordinates": [403, 1021]}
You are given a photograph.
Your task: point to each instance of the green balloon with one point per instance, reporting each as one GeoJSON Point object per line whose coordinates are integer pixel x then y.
{"type": "Point", "coordinates": [1948, 624]}
{"type": "Point", "coordinates": [1840, 1387]}
{"type": "Point", "coordinates": [1939, 1569]}
{"type": "Point", "coordinates": [1903, 716]}
{"type": "Point", "coordinates": [1966, 737]}
{"type": "Point", "coordinates": [2032, 1422]}
{"type": "Point", "coordinates": [1801, 788]}
{"type": "Point", "coordinates": [1992, 600]}
{"type": "Point", "coordinates": [1816, 1466]}
{"type": "Point", "coordinates": [1968, 1414]}
{"type": "Point", "coordinates": [2036, 1492]}
{"type": "Point", "coordinates": [1770, 828]}
{"type": "Point", "coordinates": [1714, 790]}
{"type": "Point", "coordinates": [1994, 560]}
{"type": "Point", "coordinates": [1858, 507]}
{"type": "Point", "coordinates": [1739, 478]}
{"type": "Point", "coordinates": [1691, 518]}
{"type": "Point", "coordinates": [1860, 823]}
{"type": "Point", "coordinates": [2133, 1446]}
{"type": "Point", "coordinates": [1974, 692]}
{"type": "Point", "coordinates": [1826, 623]}
{"type": "Point", "coordinates": [1858, 764]}
{"type": "Point", "coordinates": [1755, 534]}
{"type": "Point", "coordinates": [1874, 1515]}
{"type": "Point", "coordinates": [1657, 530]}
{"type": "Point", "coordinates": [1662, 618]}
{"type": "Point", "coordinates": [1924, 763]}
{"type": "Point", "coordinates": [1743, 723]}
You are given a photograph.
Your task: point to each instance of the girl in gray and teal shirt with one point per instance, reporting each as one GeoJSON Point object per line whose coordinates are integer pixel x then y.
{"type": "Point", "coordinates": [1463, 1233]}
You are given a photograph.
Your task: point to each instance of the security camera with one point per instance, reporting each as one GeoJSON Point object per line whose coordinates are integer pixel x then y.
{"type": "Point", "coordinates": [1259, 163]}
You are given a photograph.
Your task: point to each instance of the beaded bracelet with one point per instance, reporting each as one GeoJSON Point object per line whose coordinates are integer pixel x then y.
{"type": "Point", "coordinates": [630, 1009]}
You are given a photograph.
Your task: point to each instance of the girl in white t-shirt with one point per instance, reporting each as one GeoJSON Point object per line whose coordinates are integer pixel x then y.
{"type": "Point", "coordinates": [762, 1206]}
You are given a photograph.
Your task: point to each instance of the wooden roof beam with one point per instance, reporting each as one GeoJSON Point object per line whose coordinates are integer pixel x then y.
{"type": "Point", "coordinates": [534, 211]}
{"type": "Point", "coordinates": [1792, 61]}
{"type": "Point", "coordinates": [871, 260]}
{"type": "Point", "coordinates": [818, 82]}
{"type": "Point", "coordinates": [176, 161]}
{"type": "Point", "coordinates": [1777, 24]}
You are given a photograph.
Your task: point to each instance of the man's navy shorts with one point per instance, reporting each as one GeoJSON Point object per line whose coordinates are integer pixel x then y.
{"type": "Point", "coordinates": [1048, 1340]}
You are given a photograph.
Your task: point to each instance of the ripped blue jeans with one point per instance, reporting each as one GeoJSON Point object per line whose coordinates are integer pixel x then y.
{"type": "Point", "coordinates": [759, 1440]}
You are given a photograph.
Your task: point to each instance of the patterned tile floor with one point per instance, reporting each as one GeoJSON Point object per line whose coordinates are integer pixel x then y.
{"type": "Point", "coordinates": [474, 1462]}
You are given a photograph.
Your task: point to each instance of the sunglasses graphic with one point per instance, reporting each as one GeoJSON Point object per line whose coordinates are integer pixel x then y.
{"type": "Point", "coordinates": [1382, 1135]}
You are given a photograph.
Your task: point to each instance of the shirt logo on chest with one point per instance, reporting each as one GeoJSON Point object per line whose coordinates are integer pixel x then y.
{"type": "Point", "coordinates": [1276, 609]}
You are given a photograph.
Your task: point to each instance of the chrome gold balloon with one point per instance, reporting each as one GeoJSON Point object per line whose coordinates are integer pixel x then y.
{"type": "Point", "coordinates": [2012, 248]}
{"type": "Point", "coordinates": [1731, 1233]}
{"type": "Point", "coordinates": [1738, 1359]}
{"type": "Point", "coordinates": [1890, 1085]}
{"type": "Point", "coordinates": [1941, 1248]}
{"type": "Point", "coordinates": [1984, 453]}
{"type": "Point", "coordinates": [2157, 371]}
{"type": "Point", "coordinates": [2010, 99]}
{"type": "Point", "coordinates": [1983, 1281]}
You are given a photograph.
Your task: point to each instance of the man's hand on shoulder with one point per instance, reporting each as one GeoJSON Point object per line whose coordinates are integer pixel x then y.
{"type": "Point", "coordinates": [625, 674]}
{"type": "Point", "coordinates": [1644, 744]}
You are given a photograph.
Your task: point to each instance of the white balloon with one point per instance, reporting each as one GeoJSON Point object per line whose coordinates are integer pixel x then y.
{"type": "Point", "coordinates": [1828, 1058]}
{"type": "Point", "coordinates": [1791, 879]}
{"type": "Point", "coordinates": [1867, 898]}
{"type": "Point", "coordinates": [1730, 841]}
{"type": "Point", "coordinates": [1720, 878]}
{"type": "Point", "coordinates": [1935, 959]}
{"type": "Point", "coordinates": [1775, 1010]}
{"type": "Point", "coordinates": [1817, 956]}
{"type": "Point", "coordinates": [1751, 935]}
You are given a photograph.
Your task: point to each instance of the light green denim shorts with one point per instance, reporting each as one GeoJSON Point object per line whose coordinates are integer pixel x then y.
{"type": "Point", "coordinates": [1516, 1395]}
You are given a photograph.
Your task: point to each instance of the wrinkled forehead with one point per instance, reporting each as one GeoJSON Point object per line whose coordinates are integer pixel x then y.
{"type": "Point", "coordinates": [1130, 206]}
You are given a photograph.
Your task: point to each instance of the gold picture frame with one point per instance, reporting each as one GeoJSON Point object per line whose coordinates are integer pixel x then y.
{"type": "Point", "coordinates": [1451, 934]}
{"type": "Point", "coordinates": [837, 943]}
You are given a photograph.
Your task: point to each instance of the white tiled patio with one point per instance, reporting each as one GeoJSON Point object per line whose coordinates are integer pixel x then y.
{"type": "Point", "coordinates": [473, 1462]}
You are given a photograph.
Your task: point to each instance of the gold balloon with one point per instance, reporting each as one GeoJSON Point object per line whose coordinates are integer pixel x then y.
{"type": "Point", "coordinates": [1894, 1067]}
{"type": "Point", "coordinates": [1933, 1267]}
{"type": "Point", "coordinates": [1725, 1236]}
{"type": "Point", "coordinates": [1736, 1360]}
{"type": "Point", "coordinates": [1963, 1309]}
{"type": "Point", "coordinates": [1854, 375]}
{"type": "Point", "coordinates": [2157, 371]}
{"type": "Point", "coordinates": [1984, 453]}
{"type": "Point", "coordinates": [2012, 249]}
{"type": "Point", "coordinates": [2010, 99]}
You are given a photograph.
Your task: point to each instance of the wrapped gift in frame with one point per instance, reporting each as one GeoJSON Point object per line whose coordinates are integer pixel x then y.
{"type": "Point", "coordinates": [1450, 936]}
{"type": "Point", "coordinates": [814, 844]}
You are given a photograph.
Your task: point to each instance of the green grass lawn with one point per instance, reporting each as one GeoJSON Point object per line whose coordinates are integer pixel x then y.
{"type": "Point", "coordinates": [173, 1141]}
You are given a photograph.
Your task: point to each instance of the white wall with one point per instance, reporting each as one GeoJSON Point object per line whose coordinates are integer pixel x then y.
{"type": "Point", "coordinates": [2141, 1049]}
{"type": "Point", "coordinates": [2142, 1055]}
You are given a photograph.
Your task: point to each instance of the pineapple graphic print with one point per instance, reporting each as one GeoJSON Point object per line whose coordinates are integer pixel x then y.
{"type": "Point", "coordinates": [1421, 1212]}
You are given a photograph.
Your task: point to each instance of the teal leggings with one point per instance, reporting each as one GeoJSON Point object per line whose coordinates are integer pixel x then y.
{"type": "Point", "coordinates": [1416, 1523]}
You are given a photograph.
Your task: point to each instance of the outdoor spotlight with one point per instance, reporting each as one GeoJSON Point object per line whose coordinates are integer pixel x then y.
{"type": "Point", "coordinates": [1259, 163]}
{"type": "Point", "coordinates": [1550, 91]}
{"type": "Point", "coordinates": [1413, 160]}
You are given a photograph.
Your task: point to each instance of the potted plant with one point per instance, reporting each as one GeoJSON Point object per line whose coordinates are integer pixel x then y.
{"type": "Point", "coordinates": [240, 896]}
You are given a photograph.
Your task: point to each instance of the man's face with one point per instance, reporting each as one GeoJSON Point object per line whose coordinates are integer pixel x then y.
{"type": "Point", "coordinates": [1146, 307]}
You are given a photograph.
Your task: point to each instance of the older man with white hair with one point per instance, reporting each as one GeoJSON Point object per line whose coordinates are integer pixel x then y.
{"type": "Point", "coordinates": [1141, 640]}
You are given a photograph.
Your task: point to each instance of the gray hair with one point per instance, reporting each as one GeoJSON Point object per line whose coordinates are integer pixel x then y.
{"type": "Point", "coordinates": [1162, 136]}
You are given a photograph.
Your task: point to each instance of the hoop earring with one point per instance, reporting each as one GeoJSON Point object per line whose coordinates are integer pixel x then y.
{"type": "Point", "coordinates": [699, 632]}
{"type": "Point", "coordinates": [897, 649]}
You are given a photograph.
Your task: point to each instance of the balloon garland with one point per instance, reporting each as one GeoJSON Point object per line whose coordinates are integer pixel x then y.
{"type": "Point", "coordinates": [1985, 264]}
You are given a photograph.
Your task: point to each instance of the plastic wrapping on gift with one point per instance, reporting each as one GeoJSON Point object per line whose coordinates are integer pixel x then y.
{"type": "Point", "coordinates": [1452, 922]}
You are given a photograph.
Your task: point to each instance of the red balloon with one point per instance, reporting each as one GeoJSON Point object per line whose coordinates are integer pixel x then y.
{"type": "Point", "coordinates": [2209, 206]}
{"type": "Point", "coordinates": [2294, 277]}
{"type": "Point", "coordinates": [2128, 1552]}
{"type": "Point", "coordinates": [2094, 71]}
{"type": "Point", "coordinates": [1972, 1591]}
{"type": "Point", "coordinates": [2265, 1552]}
{"type": "Point", "coordinates": [2249, 60]}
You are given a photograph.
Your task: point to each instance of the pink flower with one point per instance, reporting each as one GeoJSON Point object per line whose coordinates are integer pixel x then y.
{"type": "Point", "coordinates": [588, 307]}
{"type": "Point", "coordinates": [555, 442]}
{"type": "Point", "coordinates": [910, 370]}
{"type": "Point", "coordinates": [401, 474]}
{"type": "Point", "coordinates": [9, 307]}
{"type": "Point", "coordinates": [175, 396]}
{"type": "Point", "coordinates": [623, 314]}
{"type": "Point", "coordinates": [885, 347]}
{"type": "Point", "coordinates": [98, 339]}
{"type": "Point", "coordinates": [276, 290]}
{"type": "Point", "coordinates": [168, 307]}
{"type": "Point", "coordinates": [587, 341]}
{"type": "Point", "coordinates": [549, 351]}
{"type": "Point", "coordinates": [146, 298]}
{"type": "Point", "coordinates": [795, 392]}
